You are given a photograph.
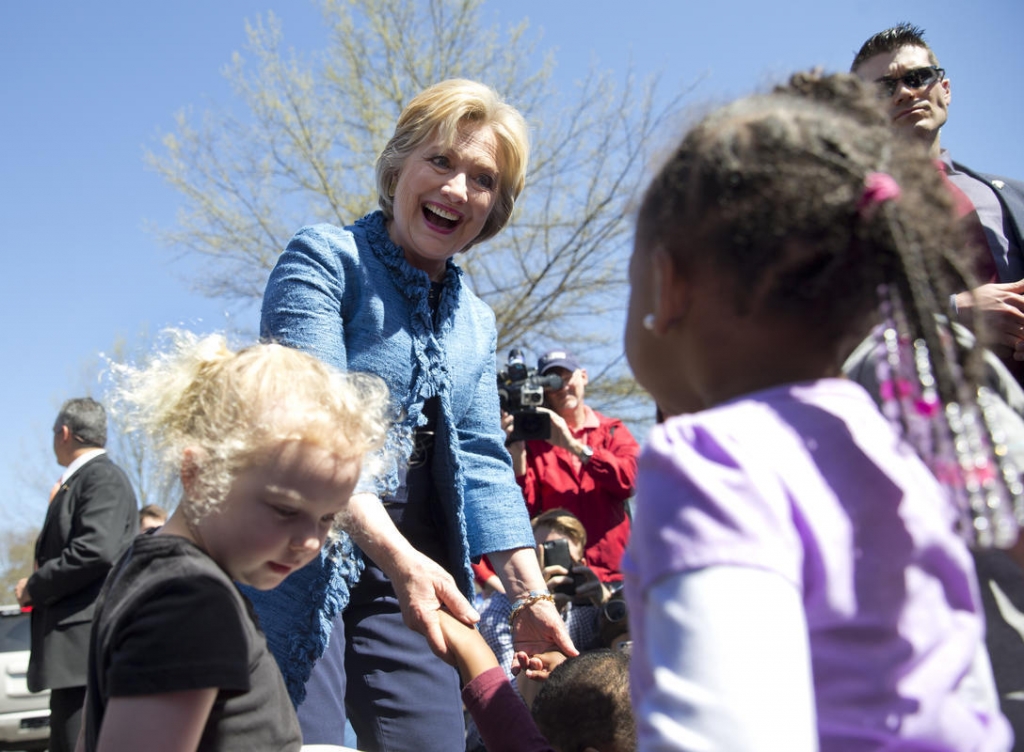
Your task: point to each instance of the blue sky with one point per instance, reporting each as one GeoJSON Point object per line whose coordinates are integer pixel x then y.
{"type": "Point", "coordinates": [86, 88]}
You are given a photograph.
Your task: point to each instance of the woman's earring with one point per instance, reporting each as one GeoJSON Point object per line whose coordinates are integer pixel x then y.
{"type": "Point", "coordinates": [391, 188]}
{"type": "Point", "coordinates": [648, 322]}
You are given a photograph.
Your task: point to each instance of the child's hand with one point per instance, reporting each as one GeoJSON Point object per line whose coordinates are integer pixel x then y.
{"type": "Point", "coordinates": [532, 670]}
{"type": "Point", "coordinates": [466, 648]}
{"type": "Point", "coordinates": [537, 667]}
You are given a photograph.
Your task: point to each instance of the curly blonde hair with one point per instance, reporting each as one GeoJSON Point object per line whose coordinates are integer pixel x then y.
{"type": "Point", "coordinates": [230, 407]}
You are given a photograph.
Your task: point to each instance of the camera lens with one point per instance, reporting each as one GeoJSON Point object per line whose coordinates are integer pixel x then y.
{"type": "Point", "coordinates": [615, 610]}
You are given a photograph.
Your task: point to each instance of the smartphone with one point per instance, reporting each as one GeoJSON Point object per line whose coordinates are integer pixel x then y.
{"type": "Point", "coordinates": [556, 552]}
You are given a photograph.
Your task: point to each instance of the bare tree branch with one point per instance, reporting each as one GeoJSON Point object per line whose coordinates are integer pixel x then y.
{"type": "Point", "coordinates": [301, 143]}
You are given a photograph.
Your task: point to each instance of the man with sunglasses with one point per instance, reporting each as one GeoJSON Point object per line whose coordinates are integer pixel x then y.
{"type": "Point", "coordinates": [917, 93]}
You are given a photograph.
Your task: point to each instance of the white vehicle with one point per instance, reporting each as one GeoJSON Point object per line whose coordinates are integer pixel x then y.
{"type": "Point", "coordinates": [24, 716]}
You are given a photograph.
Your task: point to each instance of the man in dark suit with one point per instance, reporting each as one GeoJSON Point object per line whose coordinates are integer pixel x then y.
{"type": "Point", "coordinates": [917, 95]}
{"type": "Point", "coordinates": [92, 517]}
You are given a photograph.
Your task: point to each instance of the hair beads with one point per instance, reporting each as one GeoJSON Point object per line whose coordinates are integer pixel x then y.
{"type": "Point", "coordinates": [964, 447]}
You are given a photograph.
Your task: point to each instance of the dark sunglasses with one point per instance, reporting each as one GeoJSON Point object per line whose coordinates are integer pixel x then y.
{"type": "Point", "coordinates": [918, 78]}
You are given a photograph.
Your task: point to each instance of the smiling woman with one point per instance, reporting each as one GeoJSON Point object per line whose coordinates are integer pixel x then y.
{"type": "Point", "coordinates": [443, 198]}
{"type": "Point", "coordinates": [384, 296]}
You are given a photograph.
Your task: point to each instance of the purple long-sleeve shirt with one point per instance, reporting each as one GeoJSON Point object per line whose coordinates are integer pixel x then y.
{"type": "Point", "coordinates": [809, 482]}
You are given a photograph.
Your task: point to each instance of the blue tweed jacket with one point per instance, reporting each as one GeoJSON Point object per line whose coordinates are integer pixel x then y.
{"type": "Point", "coordinates": [349, 297]}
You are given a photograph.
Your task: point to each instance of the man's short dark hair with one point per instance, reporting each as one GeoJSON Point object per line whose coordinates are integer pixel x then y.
{"type": "Point", "coordinates": [585, 703]}
{"type": "Point", "coordinates": [86, 420]}
{"type": "Point", "coordinates": [890, 40]}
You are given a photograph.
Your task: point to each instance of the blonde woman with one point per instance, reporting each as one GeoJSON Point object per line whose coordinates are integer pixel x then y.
{"type": "Point", "coordinates": [385, 296]}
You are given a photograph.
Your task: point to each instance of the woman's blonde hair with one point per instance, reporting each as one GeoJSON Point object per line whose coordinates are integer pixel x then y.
{"type": "Point", "coordinates": [446, 109]}
{"type": "Point", "coordinates": [229, 408]}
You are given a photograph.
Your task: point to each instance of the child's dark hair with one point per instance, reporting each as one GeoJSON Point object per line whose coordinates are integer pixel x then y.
{"type": "Point", "coordinates": [585, 703]}
{"type": "Point", "coordinates": [764, 193]}
{"type": "Point", "coordinates": [777, 197]}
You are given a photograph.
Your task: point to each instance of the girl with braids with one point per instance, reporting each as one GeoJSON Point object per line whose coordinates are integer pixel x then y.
{"type": "Point", "coordinates": [268, 442]}
{"type": "Point", "coordinates": [798, 576]}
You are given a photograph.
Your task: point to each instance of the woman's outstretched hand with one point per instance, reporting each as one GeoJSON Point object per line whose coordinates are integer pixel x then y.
{"type": "Point", "coordinates": [538, 628]}
{"type": "Point", "coordinates": [422, 587]}
{"type": "Point", "coordinates": [421, 584]}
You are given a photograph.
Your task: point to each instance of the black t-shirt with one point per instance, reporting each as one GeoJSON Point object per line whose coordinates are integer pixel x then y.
{"type": "Point", "coordinates": [169, 619]}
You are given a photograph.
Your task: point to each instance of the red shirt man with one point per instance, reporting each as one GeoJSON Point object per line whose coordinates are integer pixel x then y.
{"type": "Point", "coordinates": [587, 466]}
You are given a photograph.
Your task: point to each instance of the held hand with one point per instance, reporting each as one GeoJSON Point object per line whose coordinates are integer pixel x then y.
{"type": "Point", "coordinates": [539, 629]}
{"type": "Point", "coordinates": [21, 593]}
{"type": "Point", "coordinates": [538, 667]}
{"type": "Point", "coordinates": [531, 671]}
{"type": "Point", "coordinates": [466, 648]}
{"type": "Point", "coordinates": [422, 587]}
{"type": "Point", "coordinates": [1001, 306]}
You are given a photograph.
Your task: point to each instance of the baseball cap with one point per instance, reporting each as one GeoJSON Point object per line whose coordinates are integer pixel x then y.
{"type": "Point", "coordinates": [557, 359]}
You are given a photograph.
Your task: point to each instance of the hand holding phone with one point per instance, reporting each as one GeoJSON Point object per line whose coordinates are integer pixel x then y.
{"type": "Point", "coordinates": [556, 553]}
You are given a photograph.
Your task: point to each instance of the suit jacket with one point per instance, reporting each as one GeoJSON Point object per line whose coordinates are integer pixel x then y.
{"type": "Point", "coordinates": [1011, 196]}
{"type": "Point", "coordinates": [91, 520]}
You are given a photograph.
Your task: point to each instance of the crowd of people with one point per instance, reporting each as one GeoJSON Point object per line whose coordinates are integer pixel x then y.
{"type": "Point", "coordinates": [797, 559]}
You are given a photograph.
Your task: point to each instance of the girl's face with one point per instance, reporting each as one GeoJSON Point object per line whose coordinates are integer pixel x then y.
{"type": "Point", "coordinates": [443, 198]}
{"type": "Point", "coordinates": [277, 513]}
{"type": "Point", "coordinates": [659, 359]}
{"type": "Point", "coordinates": [638, 340]}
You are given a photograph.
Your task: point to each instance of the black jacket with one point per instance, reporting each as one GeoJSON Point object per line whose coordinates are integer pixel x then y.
{"type": "Point", "coordinates": [90, 522]}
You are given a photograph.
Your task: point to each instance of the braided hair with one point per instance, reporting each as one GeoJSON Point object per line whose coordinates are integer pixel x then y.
{"type": "Point", "coordinates": [777, 196]}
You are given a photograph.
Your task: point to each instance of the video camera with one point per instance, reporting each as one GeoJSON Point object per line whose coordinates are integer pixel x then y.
{"type": "Point", "coordinates": [522, 391]}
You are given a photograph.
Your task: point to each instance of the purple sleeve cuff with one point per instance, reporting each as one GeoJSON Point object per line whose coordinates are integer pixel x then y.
{"type": "Point", "coordinates": [501, 716]}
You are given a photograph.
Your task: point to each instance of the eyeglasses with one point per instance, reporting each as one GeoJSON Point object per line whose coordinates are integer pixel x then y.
{"type": "Point", "coordinates": [918, 78]}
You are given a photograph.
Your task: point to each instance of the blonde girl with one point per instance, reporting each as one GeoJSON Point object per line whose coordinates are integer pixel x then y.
{"type": "Point", "coordinates": [268, 444]}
